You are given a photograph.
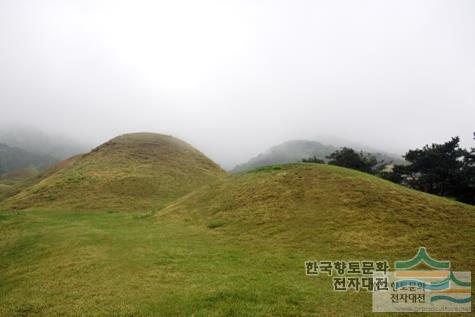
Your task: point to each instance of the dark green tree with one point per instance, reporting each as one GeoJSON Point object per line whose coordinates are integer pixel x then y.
{"type": "Point", "coordinates": [347, 157]}
{"type": "Point", "coordinates": [441, 169]}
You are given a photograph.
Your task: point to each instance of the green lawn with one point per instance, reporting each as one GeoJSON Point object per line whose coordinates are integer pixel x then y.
{"type": "Point", "coordinates": [234, 247]}
{"type": "Point", "coordinates": [124, 264]}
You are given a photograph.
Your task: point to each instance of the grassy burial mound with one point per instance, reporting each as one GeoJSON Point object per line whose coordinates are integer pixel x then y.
{"type": "Point", "coordinates": [131, 172]}
{"type": "Point", "coordinates": [234, 247]}
{"type": "Point", "coordinates": [329, 211]}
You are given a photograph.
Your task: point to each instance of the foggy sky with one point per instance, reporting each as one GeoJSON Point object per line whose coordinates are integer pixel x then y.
{"type": "Point", "coordinates": [235, 77]}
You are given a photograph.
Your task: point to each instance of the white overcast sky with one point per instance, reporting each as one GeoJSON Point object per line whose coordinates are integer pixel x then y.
{"type": "Point", "coordinates": [235, 77]}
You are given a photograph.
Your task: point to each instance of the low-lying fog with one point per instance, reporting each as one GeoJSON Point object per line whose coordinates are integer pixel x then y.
{"type": "Point", "coordinates": [236, 77]}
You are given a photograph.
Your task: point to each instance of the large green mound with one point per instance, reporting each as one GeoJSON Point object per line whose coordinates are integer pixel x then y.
{"type": "Point", "coordinates": [341, 211]}
{"type": "Point", "coordinates": [131, 172]}
{"type": "Point", "coordinates": [235, 247]}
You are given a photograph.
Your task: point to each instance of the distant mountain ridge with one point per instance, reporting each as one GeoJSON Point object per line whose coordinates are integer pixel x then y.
{"type": "Point", "coordinates": [13, 158]}
{"type": "Point", "coordinates": [25, 147]}
{"type": "Point", "coordinates": [287, 152]}
{"type": "Point", "coordinates": [295, 150]}
{"type": "Point", "coordinates": [36, 141]}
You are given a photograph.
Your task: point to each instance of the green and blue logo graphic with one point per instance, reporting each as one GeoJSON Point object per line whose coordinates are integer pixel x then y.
{"type": "Point", "coordinates": [440, 283]}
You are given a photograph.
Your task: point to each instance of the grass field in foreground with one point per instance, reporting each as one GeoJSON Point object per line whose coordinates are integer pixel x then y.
{"type": "Point", "coordinates": [234, 247]}
{"type": "Point", "coordinates": [124, 264]}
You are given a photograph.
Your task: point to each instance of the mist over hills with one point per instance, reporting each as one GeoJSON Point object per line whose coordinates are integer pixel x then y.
{"type": "Point", "coordinates": [147, 207]}
{"type": "Point", "coordinates": [134, 171]}
{"type": "Point", "coordinates": [232, 158]}
{"type": "Point", "coordinates": [36, 141]}
{"type": "Point", "coordinates": [27, 147]}
{"type": "Point", "coordinates": [14, 158]}
{"type": "Point", "coordinates": [295, 150]}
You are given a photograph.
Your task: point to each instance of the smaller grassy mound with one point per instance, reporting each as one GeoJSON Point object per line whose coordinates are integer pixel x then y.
{"type": "Point", "coordinates": [5, 190]}
{"type": "Point", "coordinates": [131, 172]}
{"type": "Point", "coordinates": [331, 212]}
{"type": "Point", "coordinates": [14, 181]}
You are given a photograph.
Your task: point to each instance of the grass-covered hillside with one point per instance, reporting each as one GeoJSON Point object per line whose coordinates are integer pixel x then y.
{"type": "Point", "coordinates": [330, 211]}
{"type": "Point", "coordinates": [131, 172]}
{"type": "Point", "coordinates": [14, 181]}
{"type": "Point", "coordinates": [234, 247]}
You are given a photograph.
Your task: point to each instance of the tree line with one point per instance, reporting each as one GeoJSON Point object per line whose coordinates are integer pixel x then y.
{"type": "Point", "coordinates": [441, 169]}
